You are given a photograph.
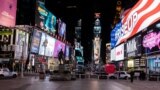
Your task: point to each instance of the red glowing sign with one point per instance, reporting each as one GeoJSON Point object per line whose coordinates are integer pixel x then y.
{"type": "Point", "coordinates": [110, 68]}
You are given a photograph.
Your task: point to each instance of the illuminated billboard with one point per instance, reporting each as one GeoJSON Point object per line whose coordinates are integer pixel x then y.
{"type": "Point", "coordinates": [36, 41]}
{"type": "Point", "coordinates": [151, 39]}
{"type": "Point", "coordinates": [21, 45]}
{"type": "Point", "coordinates": [61, 28]}
{"type": "Point", "coordinates": [58, 46]}
{"type": "Point", "coordinates": [67, 52]}
{"type": "Point", "coordinates": [97, 47]}
{"type": "Point", "coordinates": [44, 18]}
{"type": "Point", "coordinates": [8, 12]}
{"type": "Point", "coordinates": [43, 44]}
{"type": "Point", "coordinates": [133, 46]}
{"type": "Point", "coordinates": [140, 16]}
{"type": "Point", "coordinates": [119, 52]}
{"type": "Point", "coordinates": [50, 46]}
{"type": "Point", "coordinates": [112, 54]}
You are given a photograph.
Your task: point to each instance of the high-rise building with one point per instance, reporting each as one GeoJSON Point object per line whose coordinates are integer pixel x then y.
{"type": "Point", "coordinates": [96, 59]}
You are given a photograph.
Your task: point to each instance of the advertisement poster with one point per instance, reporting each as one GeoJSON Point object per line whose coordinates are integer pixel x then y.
{"type": "Point", "coordinates": [58, 46]}
{"type": "Point", "coordinates": [44, 18]}
{"type": "Point", "coordinates": [153, 63]}
{"type": "Point", "coordinates": [8, 12]}
{"type": "Point", "coordinates": [119, 52]}
{"type": "Point", "coordinates": [67, 53]}
{"type": "Point", "coordinates": [97, 44]}
{"type": "Point", "coordinates": [43, 44]}
{"type": "Point", "coordinates": [151, 39]}
{"type": "Point", "coordinates": [113, 54]}
{"type": "Point", "coordinates": [36, 41]}
{"type": "Point", "coordinates": [50, 46]}
{"type": "Point", "coordinates": [133, 47]}
{"type": "Point", "coordinates": [21, 45]}
{"type": "Point", "coordinates": [61, 28]}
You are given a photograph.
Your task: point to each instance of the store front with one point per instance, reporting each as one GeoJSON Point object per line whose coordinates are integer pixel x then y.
{"type": "Point", "coordinates": [153, 63]}
{"type": "Point", "coordinates": [130, 64]}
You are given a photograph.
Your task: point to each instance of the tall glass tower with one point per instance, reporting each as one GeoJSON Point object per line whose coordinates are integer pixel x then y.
{"type": "Point", "coordinates": [96, 59]}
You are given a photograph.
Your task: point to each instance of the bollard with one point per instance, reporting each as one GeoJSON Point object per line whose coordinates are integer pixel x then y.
{"type": "Point", "coordinates": [80, 76]}
{"type": "Point", "coordinates": [89, 76]}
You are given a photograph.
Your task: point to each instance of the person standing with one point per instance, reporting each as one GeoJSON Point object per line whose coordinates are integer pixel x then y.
{"type": "Point", "coordinates": [132, 75]}
{"type": "Point", "coordinates": [60, 56]}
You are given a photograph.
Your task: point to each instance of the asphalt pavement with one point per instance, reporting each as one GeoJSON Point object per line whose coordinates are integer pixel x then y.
{"type": "Point", "coordinates": [34, 83]}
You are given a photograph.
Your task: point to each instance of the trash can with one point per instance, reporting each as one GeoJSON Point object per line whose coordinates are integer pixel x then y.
{"type": "Point", "coordinates": [41, 75]}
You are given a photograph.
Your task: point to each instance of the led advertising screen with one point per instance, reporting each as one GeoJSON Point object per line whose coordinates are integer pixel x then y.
{"type": "Point", "coordinates": [8, 10]}
{"type": "Point", "coordinates": [113, 54]}
{"type": "Point", "coordinates": [36, 41]}
{"type": "Point", "coordinates": [97, 47]}
{"type": "Point", "coordinates": [50, 46]}
{"type": "Point", "coordinates": [58, 46]}
{"type": "Point", "coordinates": [133, 47]}
{"type": "Point", "coordinates": [43, 44]}
{"type": "Point", "coordinates": [119, 52]}
{"type": "Point", "coordinates": [151, 39]}
{"type": "Point", "coordinates": [114, 35]}
{"type": "Point", "coordinates": [44, 18]}
{"type": "Point", "coordinates": [67, 52]}
{"type": "Point", "coordinates": [61, 28]}
{"type": "Point", "coordinates": [141, 15]}
{"type": "Point", "coordinates": [21, 45]}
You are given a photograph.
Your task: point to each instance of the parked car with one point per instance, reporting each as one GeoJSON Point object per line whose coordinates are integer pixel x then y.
{"type": "Point", "coordinates": [112, 76]}
{"type": "Point", "coordinates": [5, 72]}
{"type": "Point", "coordinates": [119, 74]}
{"type": "Point", "coordinates": [122, 74]}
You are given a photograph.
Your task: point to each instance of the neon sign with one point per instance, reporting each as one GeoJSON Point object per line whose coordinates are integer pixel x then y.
{"type": "Point", "coordinates": [151, 40]}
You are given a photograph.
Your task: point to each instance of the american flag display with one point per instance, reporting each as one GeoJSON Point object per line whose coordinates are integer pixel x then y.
{"type": "Point", "coordinates": [140, 16]}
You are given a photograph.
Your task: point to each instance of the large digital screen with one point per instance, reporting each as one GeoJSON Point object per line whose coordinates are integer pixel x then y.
{"type": "Point", "coordinates": [119, 52]}
{"type": "Point", "coordinates": [153, 64]}
{"type": "Point", "coordinates": [141, 15]}
{"type": "Point", "coordinates": [133, 47]}
{"type": "Point", "coordinates": [44, 18]}
{"type": "Point", "coordinates": [43, 44]}
{"type": "Point", "coordinates": [50, 46]}
{"type": "Point", "coordinates": [67, 52]}
{"type": "Point", "coordinates": [61, 28]}
{"type": "Point", "coordinates": [36, 41]}
{"type": "Point", "coordinates": [58, 46]}
{"type": "Point", "coordinates": [21, 45]}
{"type": "Point", "coordinates": [8, 12]}
{"type": "Point", "coordinates": [151, 39]}
{"type": "Point", "coordinates": [114, 35]}
{"type": "Point", "coordinates": [97, 47]}
{"type": "Point", "coordinates": [113, 54]}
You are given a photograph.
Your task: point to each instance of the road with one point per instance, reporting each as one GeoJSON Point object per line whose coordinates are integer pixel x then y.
{"type": "Point", "coordinates": [32, 83]}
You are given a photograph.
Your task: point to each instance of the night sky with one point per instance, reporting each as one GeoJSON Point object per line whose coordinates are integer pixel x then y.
{"type": "Point", "coordinates": [85, 10]}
